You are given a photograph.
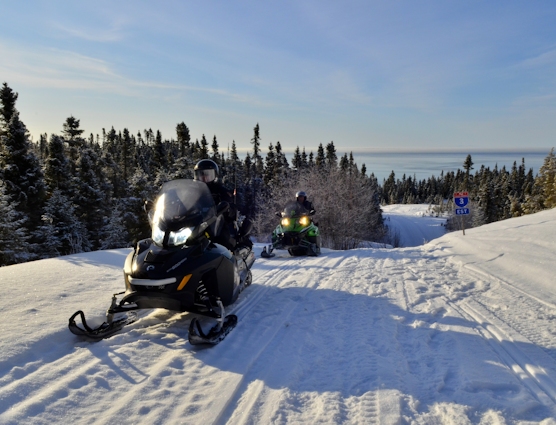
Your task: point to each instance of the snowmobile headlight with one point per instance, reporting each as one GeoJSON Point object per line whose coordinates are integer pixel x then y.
{"type": "Point", "coordinates": [304, 221]}
{"type": "Point", "coordinates": [179, 237]}
{"type": "Point", "coordinates": [285, 221]}
{"type": "Point", "coordinates": [158, 234]}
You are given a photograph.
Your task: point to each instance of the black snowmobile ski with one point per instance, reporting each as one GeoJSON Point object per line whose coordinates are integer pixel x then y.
{"type": "Point", "coordinates": [107, 328]}
{"type": "Point", "coordinates": [268, 253]}
{"type": "Point", "coordinates": [217, 333]}
{"type": "Point", "coordinates": [103, 331]}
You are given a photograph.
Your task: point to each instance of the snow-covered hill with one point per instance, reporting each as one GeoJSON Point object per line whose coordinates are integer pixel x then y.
{"type": "Point", "coordinates": [461, 330]}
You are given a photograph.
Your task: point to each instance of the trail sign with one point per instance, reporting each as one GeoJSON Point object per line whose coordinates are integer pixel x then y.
{"type": "Point", "coordinates": [461, 199]}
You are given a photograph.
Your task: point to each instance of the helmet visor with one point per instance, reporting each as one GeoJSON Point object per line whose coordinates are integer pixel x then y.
{"type": "Point", "coordinates": [206, 176]}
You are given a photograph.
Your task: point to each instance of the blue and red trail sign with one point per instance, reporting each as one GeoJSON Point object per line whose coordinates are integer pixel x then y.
{"type": "Point", "coordinates": [461, 199]}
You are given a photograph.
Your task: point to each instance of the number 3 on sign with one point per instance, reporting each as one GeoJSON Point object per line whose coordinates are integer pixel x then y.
{"type": "Point", "coordinates": [461, 199]}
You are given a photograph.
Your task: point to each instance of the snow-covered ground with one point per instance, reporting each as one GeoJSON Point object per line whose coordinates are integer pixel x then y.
{"type": "Point", "coordinates": [414, 224]}
{"type": "Point", "coordinates": [461, 330]}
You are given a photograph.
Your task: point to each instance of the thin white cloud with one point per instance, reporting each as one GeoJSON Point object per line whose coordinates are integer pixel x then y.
{"type": "Point", "coordinates": [54, 68]}
{"type": "Point", "coordinates": [547, 58]}
{"type": "Point", "coordinates": [110, 35]}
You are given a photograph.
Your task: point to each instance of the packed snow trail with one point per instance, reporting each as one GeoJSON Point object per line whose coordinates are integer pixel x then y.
{"type": "Point", "coordinates": [413, 224]}
{"type": "Point", "coordinates": [413, 335]}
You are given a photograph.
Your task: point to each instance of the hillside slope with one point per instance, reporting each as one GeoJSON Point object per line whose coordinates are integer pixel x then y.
{"type": "Point", "coordinates": [460, 330]}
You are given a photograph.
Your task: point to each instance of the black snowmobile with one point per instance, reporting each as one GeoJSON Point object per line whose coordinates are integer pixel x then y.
{"type": "Point", "coordinates": [296, 232]}
{"type": "Point", "coordinates": [180, 268]}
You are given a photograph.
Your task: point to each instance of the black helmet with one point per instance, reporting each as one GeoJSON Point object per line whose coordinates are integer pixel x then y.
{"type": "Point", "coordinates": [301, 193]}
{"type": "Point", "coordinates": [206, 170]}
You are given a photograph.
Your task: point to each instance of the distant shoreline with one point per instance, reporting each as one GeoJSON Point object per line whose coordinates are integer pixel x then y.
{"type": "Point", "coordinates": [417, 151]}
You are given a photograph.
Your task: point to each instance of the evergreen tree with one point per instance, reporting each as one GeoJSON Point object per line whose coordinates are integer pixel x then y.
{"type": "Point", "coordinates": [467, 166]}
{"type": "Point", "coordinates": [71, 134]}
{"type": "Point", "coordinates": [133, 216]}
{"type": "Point", "coordinates": [215, 151]}
{"type": "Point", "coordinates": [127, 157]}
{"type": "Point", "coordinates": [19, 166]}
{"type": "Point", "coordinates": [390, 189]}
{"type": "Point", "coordinates": [57, 172]}
{"type": "Point", "coordinates": [543, 192]}
{"type": "Point", "coordinates": [296, 160]}
{"type": "Point", "coordinates": [331, 157]}
{"type": "Point", "coordinates": [344, 163]}
{"type": "Point", "coordinates": [90, 206]}
{"type": "Point", "coordinates": [8, 99]}
{"type": "Point", "coordinates": [547, 179]}
{"type": "Point", "coordinates": [115, 234]}
{"type": "Point", "coordinates": [270, 166]}
{"type": "Point", "coordinates": [160, 157]}
{"type": "Point", "coordinates": [13, 233]}
{"type": "Point", "coordinates": [62, 232]}
{"type": "Point", "coordinates": [304, 160]}
{"type": "Point", "coordinates": [320, 160]}
{"type": "Point", "coordinates": [184, 139]}
{"type": "Point", "coordinates": [282, 165]}
{"type": "Point", "coordinates": [256, 157]}
{"type": "Point", "coordinates": [43, 146]}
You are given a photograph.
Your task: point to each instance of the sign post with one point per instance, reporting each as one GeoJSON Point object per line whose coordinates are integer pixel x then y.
{"type": "Point", "coordinates": [461, 199]}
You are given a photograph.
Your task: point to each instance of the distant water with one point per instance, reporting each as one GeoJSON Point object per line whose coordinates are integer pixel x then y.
{"type": "Point", "coordinates": [423, 165]}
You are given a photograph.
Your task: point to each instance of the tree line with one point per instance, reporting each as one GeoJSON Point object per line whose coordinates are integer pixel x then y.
{"type": "Point", "coordinates": [68, 193]}
{"type": "Point", "coordinates": [494, 194]}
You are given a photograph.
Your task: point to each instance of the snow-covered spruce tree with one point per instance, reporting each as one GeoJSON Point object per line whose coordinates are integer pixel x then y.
{"type": "Point", "coordinates": [115, 234]}
{"type": "Point", "coordinates": [57, 168]}
{"type": "Point", "coordinates": [71, 135]}
{"type": "Point", "coordinates": [89, 199]}
{"type": "Point", "coordinates": [253, 171]}
{"type": "Point", "coordinates": [547, 181]}
{"type": "Point", "coordinates": [20, 169]}
{"type": "Point", "coordinates": [181, 153]}
{"type": "Point", "coordinates": [62, 232]}
{"type": "Point", "coordinates": [543, 192]}
{"type": "Point", "coordinates": [256, 157]}
{"type": "Point", "coordinates": [13, 234]}
{"type": "Point", "coordinates": [134, 216]}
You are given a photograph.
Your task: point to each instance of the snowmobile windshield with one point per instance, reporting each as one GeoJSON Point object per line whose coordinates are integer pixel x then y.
{"type": "Point", "coordinates": [181, 209]}
{"type": "Point", "coordinates": [294, 209]}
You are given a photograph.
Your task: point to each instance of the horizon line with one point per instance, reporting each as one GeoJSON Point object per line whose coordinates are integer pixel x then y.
{"type": "Point", "coordinates": [459, 150]}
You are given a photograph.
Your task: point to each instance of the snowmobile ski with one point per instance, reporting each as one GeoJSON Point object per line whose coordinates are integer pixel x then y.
{"type": "Point", "coordinates": [105, 330]}
{"type": "Point", "coordinates": [215, 335]}
{"type": "Point", "coordinates": [268, 253]}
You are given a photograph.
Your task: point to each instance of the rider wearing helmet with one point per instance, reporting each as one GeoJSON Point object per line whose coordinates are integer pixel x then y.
{"type": "Point", "coordinates": [206, 170]}
{"type": "Point", "coordinates": [301, 197]}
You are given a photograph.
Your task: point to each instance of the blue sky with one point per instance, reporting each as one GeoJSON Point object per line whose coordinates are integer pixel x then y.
{"type": "Point", "coordinates": [390, 75]}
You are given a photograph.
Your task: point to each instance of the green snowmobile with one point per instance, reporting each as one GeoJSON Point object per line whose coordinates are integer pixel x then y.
{"type": "Point", "coordinates": [296, 232]}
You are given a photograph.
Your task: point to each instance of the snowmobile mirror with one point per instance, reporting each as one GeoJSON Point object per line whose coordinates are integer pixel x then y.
{"type": "Point", "coordinates": [148, 205]}
{"type": "Point", "coordinates": [312, 212]}
{"type": "Point", "coordinates": [278, 214]}
{"type": "Point", "coordinates": [222, 208]}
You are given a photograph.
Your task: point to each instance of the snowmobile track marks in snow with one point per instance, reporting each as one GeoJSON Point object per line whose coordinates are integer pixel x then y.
{"type": "Point", "coordinates": [541, 381]}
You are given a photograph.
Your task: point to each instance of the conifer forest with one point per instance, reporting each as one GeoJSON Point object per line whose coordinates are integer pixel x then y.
{"type": "Point", "coordinates": [71, 192]}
